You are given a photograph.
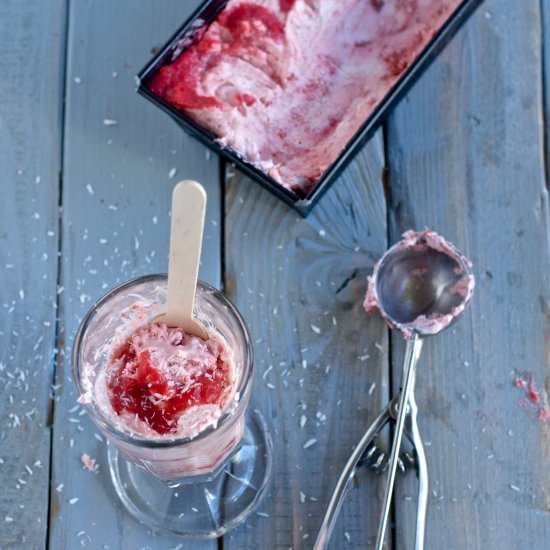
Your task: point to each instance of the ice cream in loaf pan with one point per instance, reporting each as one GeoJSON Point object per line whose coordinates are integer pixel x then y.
{"type": "Point", "coordinates": [286, 84]}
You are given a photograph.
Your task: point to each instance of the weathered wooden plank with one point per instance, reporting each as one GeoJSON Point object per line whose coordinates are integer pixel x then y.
{"type": "Point", "coordinates": [30, 145]}
{"type": "Point", "coordinates": [545, 10]}
{"type": "Point", "coordinates": [116, 201]}
{"type": "Point", "coordinates": [466, 158]}
{"type": "Point", "coordinates": [321, 363]}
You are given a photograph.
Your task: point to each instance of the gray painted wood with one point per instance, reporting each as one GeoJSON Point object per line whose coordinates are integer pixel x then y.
{"type": "Point", "coordinates": [30, 139]}
{"type": "Point", "coordinates": [116, 198]}
{"type": "Point", "coordinates": [299, 285]}
{"type": "Point", "coordinates": [545, 10]}
{"type": "Point", "coordinates": [466, 158]}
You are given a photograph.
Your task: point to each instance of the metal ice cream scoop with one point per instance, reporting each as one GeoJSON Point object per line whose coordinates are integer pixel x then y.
{"type": "Point", "coordinates": [421, 286]}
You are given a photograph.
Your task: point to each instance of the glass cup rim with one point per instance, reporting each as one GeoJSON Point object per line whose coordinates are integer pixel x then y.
{"type": "Point", "coordinates": [243, 388]}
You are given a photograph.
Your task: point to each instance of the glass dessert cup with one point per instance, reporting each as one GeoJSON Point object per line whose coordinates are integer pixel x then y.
{"type": "Point", "coordinates": [200, 486]}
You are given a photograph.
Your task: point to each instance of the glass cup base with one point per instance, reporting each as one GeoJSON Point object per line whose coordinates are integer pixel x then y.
{"type": "Point", "coordinates": [199, 509]}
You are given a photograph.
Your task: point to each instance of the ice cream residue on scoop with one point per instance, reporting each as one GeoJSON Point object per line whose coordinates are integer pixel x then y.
{"type": "Point", "coordinates": [286, 84]}
{"type": "Point", "coordinates": [464, 286]}
{"type": "Point", "coordinates": [162, 380]}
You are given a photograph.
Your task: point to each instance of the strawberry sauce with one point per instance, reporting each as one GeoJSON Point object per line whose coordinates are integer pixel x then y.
{"type": "Point", "coordinates": [159, 373]}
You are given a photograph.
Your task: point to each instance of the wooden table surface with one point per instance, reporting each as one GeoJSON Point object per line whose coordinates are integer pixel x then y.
{"type": "Point", "coordinates": [86, 172]}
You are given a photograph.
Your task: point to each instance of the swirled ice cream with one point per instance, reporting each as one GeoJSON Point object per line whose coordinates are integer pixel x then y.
{"type": "Point", "coordinates": [159, 381]}
{"type": "Point", "coordinates": [162, 380]}
{"type": "Point", "coordinates": [165, 399]}
{"type": "Point", "coordinates": [286, 84]}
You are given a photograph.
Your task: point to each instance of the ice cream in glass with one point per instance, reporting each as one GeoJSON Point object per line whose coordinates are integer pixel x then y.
{"type": "Point", "coordinates": [174, 408]}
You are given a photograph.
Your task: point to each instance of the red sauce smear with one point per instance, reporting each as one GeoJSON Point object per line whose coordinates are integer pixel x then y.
{"type": "Point", "coordinates": [137, 387]}
{"type": "Point", "coordinates": [243, 27]}
{"type": "Point", "coordinates": [533, 398]}
{"type": "Point", "coordinates": [286, 5]}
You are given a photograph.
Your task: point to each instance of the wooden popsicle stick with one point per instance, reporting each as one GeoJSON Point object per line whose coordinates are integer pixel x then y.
{"type": "Point", "coordinates": [188, 210]}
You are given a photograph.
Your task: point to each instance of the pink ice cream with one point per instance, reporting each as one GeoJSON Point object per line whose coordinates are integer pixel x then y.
{"type": "Point", "coordinates": [165, 399]}
{"type": "Point", "coordinates": [163, 381]}
{"type": "Point", "coordinates": [287, 84]}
